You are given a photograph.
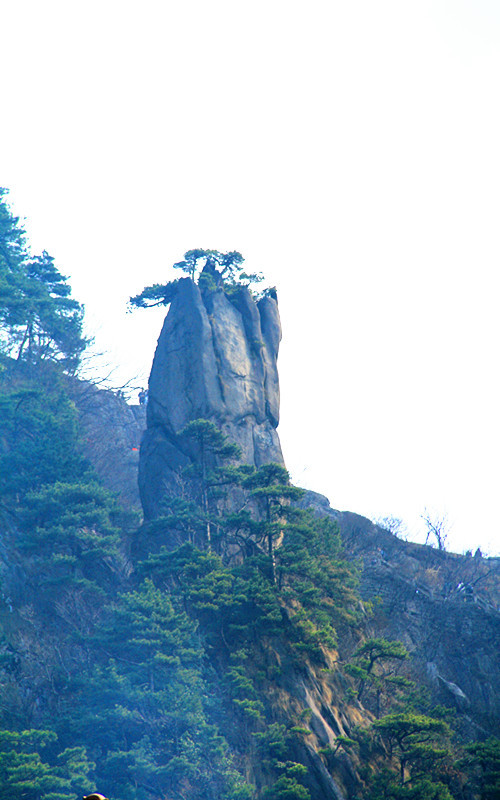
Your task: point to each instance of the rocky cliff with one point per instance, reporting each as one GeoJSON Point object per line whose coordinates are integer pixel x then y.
{"type": "Point", "coordinates": [216, 360]}
{"type": "Point", "coordinates": [111, 432]}
{"type": "Point", "coordinates": [444, 607]}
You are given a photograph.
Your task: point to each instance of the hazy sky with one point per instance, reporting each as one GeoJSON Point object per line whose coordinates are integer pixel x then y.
{"type": "Point", "coordinates": [350, 150]}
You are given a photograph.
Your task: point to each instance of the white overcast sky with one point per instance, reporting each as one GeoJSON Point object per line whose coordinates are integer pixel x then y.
{"type": "Point", "coordinates": [350, 150]}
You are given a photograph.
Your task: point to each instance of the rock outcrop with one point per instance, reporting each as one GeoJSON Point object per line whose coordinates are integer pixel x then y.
{"type": "Point", "coordinates": [444, 607]}
{"type": "Point", "coordinates": [216, 360]}
{"type": "Point", "coordinates": [111, 432]}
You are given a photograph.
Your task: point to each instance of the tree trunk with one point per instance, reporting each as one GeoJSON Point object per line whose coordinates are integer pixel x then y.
{"type": "Point", "coordinates": [204, 495]}
{"type": "Point", "coordinates": [402, 771]}
{"type": "Point", "coordinates": [270, 547]}
{"type": "Point", "coordinates": [21, 346]}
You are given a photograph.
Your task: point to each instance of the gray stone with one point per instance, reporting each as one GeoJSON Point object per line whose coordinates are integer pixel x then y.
{"type": "Point", "coordinates": [111, 432]}
{"type": "Point", "coordinates": [215, 359]}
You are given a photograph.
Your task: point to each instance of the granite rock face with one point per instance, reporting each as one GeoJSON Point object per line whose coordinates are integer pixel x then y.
{"type": "Point", "coordinates": [215, 360]}
{"type": "Point", "coordinates": [111, 432]}
{"type": "Point", "coordinates": [444, 607]}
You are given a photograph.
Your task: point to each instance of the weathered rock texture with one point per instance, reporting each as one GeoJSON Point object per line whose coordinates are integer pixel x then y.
{"type": "Point", "coordinates": [111, 432]}
{"type": "Point", "coordinates": [215, 360]}
{"type": "Point", "coordinates": [444, 607]}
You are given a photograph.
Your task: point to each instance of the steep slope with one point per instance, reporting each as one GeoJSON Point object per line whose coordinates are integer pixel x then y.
{"type": "Point", "coordinates": [443, 606]}
{"type": "Point", "coordinates": [111, 432]}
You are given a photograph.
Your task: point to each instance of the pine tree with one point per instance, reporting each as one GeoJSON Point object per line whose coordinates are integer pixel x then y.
{"type": "Point", "coordinates": [374, 665]}
{"type": "Point", "coordinates": [211, 450]}
{"type": "Point", "coordinates": [210, 269]}
{"type": "Point", "coordinates": [39, 441]}
{"type": "Point", "coordinates": [38, 317]}
{"type": "Point", "coordinates": [27, 775]}
{"type": "Point", "coordinates": [270, 487]}
{"type": "Point", "coordinates": [419, 744]}
{"type": "Point", "coordinates": [71, 534]}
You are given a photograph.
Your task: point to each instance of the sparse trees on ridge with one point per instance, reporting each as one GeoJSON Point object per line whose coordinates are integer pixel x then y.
{"type": "Point", "coordinates": [228, 265]}
{"type": "Point", "coordinates": [211, 269]}
{"type": "Point", "coordinates": [437, 529]}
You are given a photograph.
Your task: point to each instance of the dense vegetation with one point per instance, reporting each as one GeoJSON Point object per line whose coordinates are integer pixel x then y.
{"type": "Point", "coordinates": [158, 660]}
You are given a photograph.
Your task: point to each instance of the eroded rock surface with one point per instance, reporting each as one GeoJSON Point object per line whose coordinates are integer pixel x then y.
{"type": "Point", "coordinates": [215, 359]}
{"type": "Point", "coordinates": [444, 607]}
{"type": "Point", "coordinates": [111, 432]}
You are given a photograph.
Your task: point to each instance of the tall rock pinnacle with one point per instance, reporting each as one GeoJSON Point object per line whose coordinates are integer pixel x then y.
{"type": "Point", "coordinates": [216, 360]}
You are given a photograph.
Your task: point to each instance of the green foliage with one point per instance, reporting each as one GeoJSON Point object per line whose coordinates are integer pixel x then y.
{"type": "Point", "coordinates": [299, 590]}
{"type": "Point", "coordinates": [315, 576]}
{"type": "Point", "coordinates": [195, 262]}
{"type": "Point", "coordinates": [384, 787]}
{"type": "Point", "coordinates": [341, 743]}
{"type": "Point", "coordinates": [154, 669]}
{"type": "Point", "coordinates": [420, 745]}
{"type": "Point", "coordinates": [244, 617]}
{"type": "Point", "coordinates": [149, 725]}
{"type": "Point", "coordinates": [287, 787]}
{"type": "Point", "coordinates": [12, 236]}
{"type": "Point", "coordinates": [38, 431]}
{"type": "Point", "coordinates": [164, 674]}
{"type": "Point", "coordinates": [38, 318]}
{"type": "Point", "coordinates": [26, 775]}
{"type": "Point", "coordinates": [235, 605]}
{"type": "Point", "coordinates": [70, 536]}
{"type": "Point", "coordinates": [272, 746]}
{"type": "Point", "coordinates": [156, 295]}
{"type": "Point", "coordinates": [272, 742]}
{"type": "Point", "coordinates": [374, 668]}
{"type": "Point", "coordinates": [211, 449]}
{"type": "Point", "coordinates": [271, 489]}
{"type": "Point", "coordinates": [376, 650]}
{"type": "Point", "coordinates": [402, 727]}
{"type": "Point", "coordinates": [483, 762]}
{"type": "Point", "coordinates": [209, 441]}
{"type": "Point", "coordinates": [211, 269]}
